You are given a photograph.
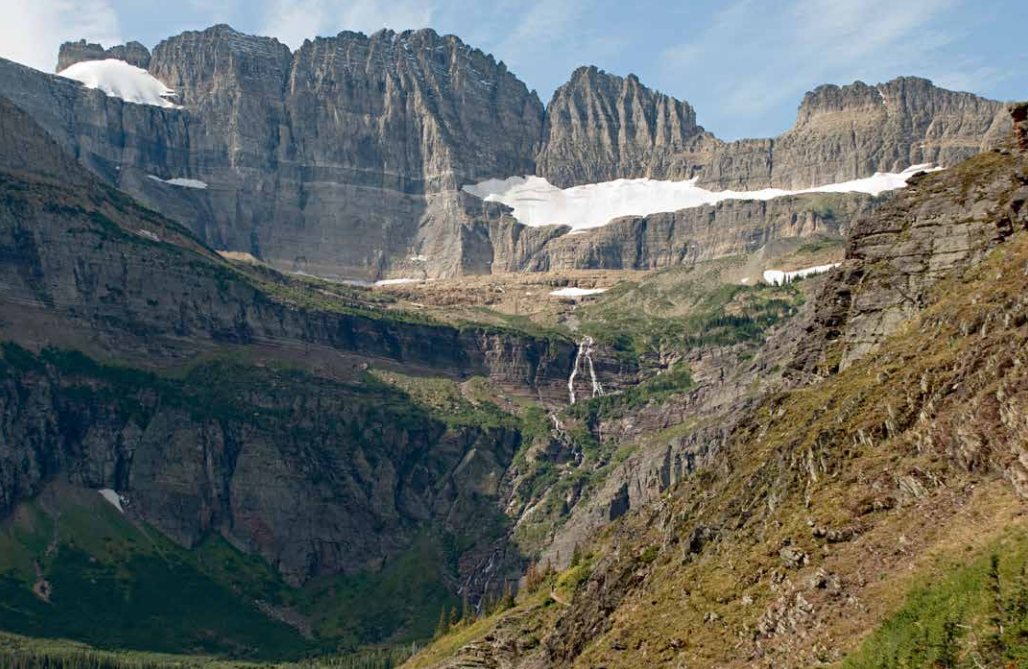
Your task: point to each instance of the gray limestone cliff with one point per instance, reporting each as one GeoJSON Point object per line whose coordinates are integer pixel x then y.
{"type": "Point", "coordinates": [346, 157]}
{"type": "Point", "coordinates": [601, 127]}
{"type": "Point", "coordinates": [132, 53]}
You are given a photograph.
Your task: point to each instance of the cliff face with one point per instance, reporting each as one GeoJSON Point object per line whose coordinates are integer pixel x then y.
{"type": "Point", "coordinates": [601, 127]}
{"type": "Point", "coordinates": [346, 157]}
{"type": "Point", "coordinates": [689, 236]}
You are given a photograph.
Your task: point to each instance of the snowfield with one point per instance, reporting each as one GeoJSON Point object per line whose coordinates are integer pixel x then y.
{"type": "Point", "coordinates": [182, 183]}
{"type": "Point", "coordinates": [777, 277]}
{"type": "Point", "coordinates": [536, 202]}
{"type": "Point", "coordinates": [112, 497]}
{"type": "Point", "coordinates": [577, 292]}
{"type": "Point", "coordinates": [118, 79]}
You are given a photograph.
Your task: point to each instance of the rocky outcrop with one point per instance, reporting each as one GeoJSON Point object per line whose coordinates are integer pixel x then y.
{"type": "Point", "coordinates": [601, 127]}
{"type": "Point", "coordinates": [689, 236]}
{"type": "Point", "coordinates": [132, 53]}
{"type": "Point", "coordinates": [939, 226]}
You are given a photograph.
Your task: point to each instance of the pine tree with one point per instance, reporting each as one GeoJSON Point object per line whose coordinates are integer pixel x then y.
{"type": "Point", "coordinates": [576, 556]}
{"type": "Point", "coordinates": [467, 613]}
{"type": "Point", "coordinates": [508, 598]}
{"type": "Point", "coordinates": [946, 657]}
{"type": "Point", "coordinates": [443, 627]}
{"type": "Point", "coordinates": [995, 644]}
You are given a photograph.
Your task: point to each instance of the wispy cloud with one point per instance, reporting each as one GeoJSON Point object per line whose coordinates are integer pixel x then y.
{"type": "Point", "coordinates": [778, 50]}
{"type": "Point", "coordinates": [31, 32]}
{"type": "Point", "coordinates": [371, 15]}
{"type": "Point", "coordinates": [293, 21]}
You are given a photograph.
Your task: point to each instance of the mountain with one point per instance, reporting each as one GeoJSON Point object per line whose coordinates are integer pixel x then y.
{"type": "Point", "coordinates": [227, 403]}
{"type": "Point", "coordinates": [601, 127]}
{"type": "Point", "coordinates": [868, 511]}
{"type": "Point", "coordinates": [346, 158]}
{"type": "Point", "coordinates": [783, 431]}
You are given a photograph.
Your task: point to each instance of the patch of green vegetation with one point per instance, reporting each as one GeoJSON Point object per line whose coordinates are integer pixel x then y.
{"type": "Point", "coordinates": [820, 246]}
{"type": "Point", "coordinates": [398, 603]}
{"type": "Point", "coordinates": [685, 308]}
{"type": "Point", "coordinates": [443, 399]}
{"type": "Point", "coordinates": [20, 652]}
{"type": "Point", "coordinates": [112, 587]}
{"type": "Point", "coordinates": [655, 389]}
{"type": "Point", "coordinates": [975, 617]}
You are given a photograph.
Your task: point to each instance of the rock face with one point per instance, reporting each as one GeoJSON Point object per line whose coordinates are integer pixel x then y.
{"type": "Point", "coordinates": [343, 159]}
{"type": "Point", "coordinates": [938, 226]}
{"type": "Point", "coordinates": [346, 158]}
{"type": "Point", "coordinates": [132, 53]}
{"type": "Point", "coordinates": [601, 127]}
{"type": "Point", "coordinates": [1019, 114]}
{"type": "Point", "coordinates": [689, 236]}
{"type": "Point", "coordinates": [844, 133]}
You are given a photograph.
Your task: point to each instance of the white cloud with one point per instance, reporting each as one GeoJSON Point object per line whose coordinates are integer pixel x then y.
{"type": "Point", "coordinates": [32, 30]}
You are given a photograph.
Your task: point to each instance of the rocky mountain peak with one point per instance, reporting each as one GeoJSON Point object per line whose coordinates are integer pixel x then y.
{"type": "Point", "coordinates": [132, 53]}
{"type": "Point", "coordinates": [602, 127]}
{"type": "Point", "coordinates": [202, 65]}
{"type": "Point", "coordinates": [832, 98]}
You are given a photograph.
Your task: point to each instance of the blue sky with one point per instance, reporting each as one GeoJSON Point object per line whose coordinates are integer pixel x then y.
{"type": "Point", "coordinates": [743, 64]}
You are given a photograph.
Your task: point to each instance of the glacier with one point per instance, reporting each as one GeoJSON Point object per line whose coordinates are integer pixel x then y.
{"type": "Point", "coordinates": [536, 202]}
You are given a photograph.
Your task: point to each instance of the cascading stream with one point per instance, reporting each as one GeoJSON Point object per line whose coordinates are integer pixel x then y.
{"type": "Point", "coordinates": [585, 349]}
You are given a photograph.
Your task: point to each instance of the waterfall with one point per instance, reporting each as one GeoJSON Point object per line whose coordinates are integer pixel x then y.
{"type": "Point", "coordinates": [597, 388]}
{"type": "Point", "coordinates": [585, 349]}
{"type": "Point", "coordinates": [574, 371]}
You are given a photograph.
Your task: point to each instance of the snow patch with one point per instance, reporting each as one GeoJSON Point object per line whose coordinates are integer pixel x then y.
{"type": "Point", "coordinates": [149, 235]}
{"type": "Point", "coordinates": [536, 202]}
{"type": "Point", "coordinates": [418, 258]}
{"type": "Point", "coordinates": [182, 183]}
{"type": "Point", "coordinates": [577, 292]}
{"type": "Point", "coordinates": [118, 79]}
{"type": "Point", "coordinates": [777, 277]}
{"type": "Point", "coordinates": [114, 498]}
{"type": "Point", "coordinates": [396, 282]}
